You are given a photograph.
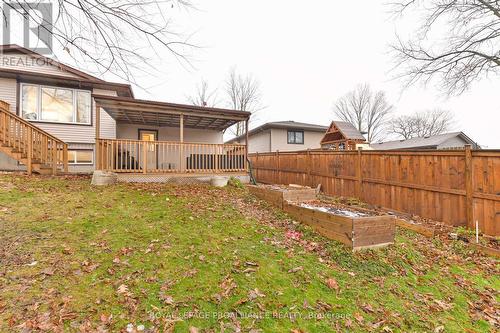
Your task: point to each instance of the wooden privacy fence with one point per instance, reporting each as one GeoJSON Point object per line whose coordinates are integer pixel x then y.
{"type": "Point", "coordinates": [457, 187]}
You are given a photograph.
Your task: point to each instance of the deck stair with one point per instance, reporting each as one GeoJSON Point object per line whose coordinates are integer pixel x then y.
{"type": "Point", "coordinates": [38, 150]}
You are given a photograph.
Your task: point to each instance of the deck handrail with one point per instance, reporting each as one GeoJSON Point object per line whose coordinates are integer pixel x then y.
{"type": "Point", "coordinates": [177, 142]}
{"type": "Point", "coordinates": [141, 156]}
{"type": "Point", "coordinates": [31, 142]}
{"type": "Point", "coordinates": [4, 108]}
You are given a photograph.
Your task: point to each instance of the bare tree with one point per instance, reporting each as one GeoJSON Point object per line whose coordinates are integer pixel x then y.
{"type": "Point", "coordinates": [110, 35]}
{"type": "Point", "coordinates": [457, 43]}
{"type": "Point", "coordinates": [203, 95]}
{"type": "Point", "coordinates": [422, 124]}
{"type": "Point", "coordinates": [243, 94]}
{"type": "Point", "coordinates": [365, 110]}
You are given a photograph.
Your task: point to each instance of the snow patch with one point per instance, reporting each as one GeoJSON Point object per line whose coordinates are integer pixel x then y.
{"type": "Point", "coordinates": [335, 211]}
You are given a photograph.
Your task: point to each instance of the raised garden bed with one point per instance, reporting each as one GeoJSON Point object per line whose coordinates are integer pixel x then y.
{"type": "Point", "coordinates": [355, 228]}
{"type": "Point", "coordinates": [278, 194]}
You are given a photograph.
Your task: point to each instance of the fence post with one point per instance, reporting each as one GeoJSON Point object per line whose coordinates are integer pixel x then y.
{"type": "Point", "coordinates": [278, 169]}
{"type": "Point", "coordinates": [308, 166]}
{"type": "Point", "coordinates": [255, 169]}
{"type": "Point", "coordinates": [359, 174]}
{"type": "Point", "coordinates": [469, 187]}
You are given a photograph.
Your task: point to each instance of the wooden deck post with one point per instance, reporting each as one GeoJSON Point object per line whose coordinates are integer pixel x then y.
{"type": "Point", "coordinates": [144, 156]}
{"type": "Point", "coordinates": [216, 156]}
{"type": "Point", "coordinates": [245, 162]}
{"type": "Point", "coordinates": [359, 174]}
{"type": "Point", "coordinates": [65, 158]}
{"type": "Point", "coordinates": [97, 137]}
{"type": "Point", "coordinates": [469, 187]}
{"type": "Point", "coordinates": [181, 140]}
{"type": "Point", "coordinates": [30, 151]}
{"type": "Point", "coordinates": [54, 157]}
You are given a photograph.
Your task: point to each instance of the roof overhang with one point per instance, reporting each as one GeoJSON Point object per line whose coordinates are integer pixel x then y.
{"type": "Point", "coordinates": [161, 114]}
{"type": "Point", "coordinates": [121, 89]}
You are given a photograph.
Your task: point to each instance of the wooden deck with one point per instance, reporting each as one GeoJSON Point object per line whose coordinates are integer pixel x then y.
{"type": "Point", "coordinates": [168, 157]}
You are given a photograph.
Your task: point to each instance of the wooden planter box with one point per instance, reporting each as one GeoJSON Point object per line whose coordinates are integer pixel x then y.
{"type": "Point", "coordinates": [356, 232]}
{"type": "Point", "coordinates": [278, 196]}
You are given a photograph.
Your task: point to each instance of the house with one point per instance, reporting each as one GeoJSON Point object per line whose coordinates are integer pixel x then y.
{"type": "Point", "coordinates": [342, 135]}
{"type": "Point", "coordinates": [282, 136]}
{"type": "Point", "coordinates": [54, 118]}
{"type": "Point", "coordinates": [455, 140]}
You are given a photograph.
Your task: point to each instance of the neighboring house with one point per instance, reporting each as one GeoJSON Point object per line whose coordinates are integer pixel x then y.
{"type": "Point", "coordinates": [282, 136]}
{"type": "Point", "coordinates": [342, 135]}
{"type": "Point", "coordinates": [66, 112]}
{"type": "Point", "coordinates": [455, 140]}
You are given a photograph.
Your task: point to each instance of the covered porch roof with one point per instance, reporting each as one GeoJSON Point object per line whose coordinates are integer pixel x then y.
{"type": "Point", "coordinates": [144, 112]}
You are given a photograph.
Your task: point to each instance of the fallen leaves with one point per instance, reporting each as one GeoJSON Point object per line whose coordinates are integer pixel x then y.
{"type": "Point", "coordinates": [254, 294]}
{"type": "Point", "coordinates": [227, 286]}
{"type": "Point", "coordinates": [123, 290]}
{"type": "Point", "coordinates": [296, 269]}
{"type": "Point", "coordinates": [332, 284]}
{"type": "Point", "coordinates": [48, 271]}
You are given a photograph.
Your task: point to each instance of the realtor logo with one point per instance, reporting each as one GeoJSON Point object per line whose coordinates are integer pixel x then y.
{"type": "Point", "coordinates": [28, 24]}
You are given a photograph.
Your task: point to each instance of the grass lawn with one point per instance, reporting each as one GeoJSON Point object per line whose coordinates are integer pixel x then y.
{"type": "Point", "coordinates": [164, 258]}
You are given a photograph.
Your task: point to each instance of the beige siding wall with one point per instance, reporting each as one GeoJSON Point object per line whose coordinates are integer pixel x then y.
{"type": "Point", "coordinates": [8, 90]}
{"type": "Point", "coordinates": [26, 63]}
{"type": "Point", "coordinates": [127, 131]}
{"type": "Point", "coordinates": [259, 142]}
{"type": "Point", "coordinates": [279, 140]}
{"type": "Point", "coordinates": [276, 139]}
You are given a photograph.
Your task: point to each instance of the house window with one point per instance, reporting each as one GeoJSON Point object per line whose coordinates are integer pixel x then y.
{"type": "Point", "coordinates": [80, 157]}
{"type": "Point", "coordinates": [52, 104]}
{"type": "Point", "coordinates": [295, 137]}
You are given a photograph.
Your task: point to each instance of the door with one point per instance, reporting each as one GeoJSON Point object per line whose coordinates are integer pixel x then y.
{"type": "Point", "coordinates": [151, 151]}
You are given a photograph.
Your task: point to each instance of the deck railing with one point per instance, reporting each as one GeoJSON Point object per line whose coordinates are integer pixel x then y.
{"type": "Point", "coordinates": [31, 144]}
{"type": "Point", "coordinates": [136, 156]}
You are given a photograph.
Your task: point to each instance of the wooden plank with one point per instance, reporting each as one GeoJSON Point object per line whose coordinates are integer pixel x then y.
{"type": "Point", "coordinates": [421, 229]}
{"type": "Point", "coordinates": [469, 187]}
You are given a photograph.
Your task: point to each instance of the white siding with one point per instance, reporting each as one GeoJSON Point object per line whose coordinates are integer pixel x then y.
{"type": "Point", "coordinates": [26, 63]}
{"type": "Point", "coordinates": [259, 143]}
{"type": "Point", "coordinates": [8, 89]}
{"type": "Point", "coordinates": [276, 139]}
{"type": "Point", "coordinates": [279, 140]}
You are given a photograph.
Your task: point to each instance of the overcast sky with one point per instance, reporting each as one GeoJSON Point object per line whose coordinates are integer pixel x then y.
{"type": "Point", "coordinates": [307, 54]}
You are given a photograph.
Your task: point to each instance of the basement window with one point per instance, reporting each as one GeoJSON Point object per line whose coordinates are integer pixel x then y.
{"type": "Point", "coordinates": [295, 137]}
{"type": "Point", "coordinates": [80, 157]}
